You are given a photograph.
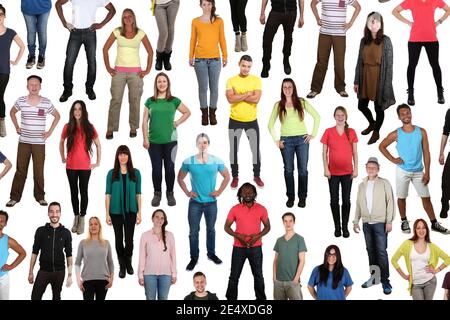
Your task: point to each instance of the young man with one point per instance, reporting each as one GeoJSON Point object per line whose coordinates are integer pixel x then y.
{"type": "Point", "coordinates": [288, 263]}
{"type": "Point", "coordinates": [7, 164]}
{"type": "Point", "coordinates": [375, 205]}
{"type": "Point", "coordinates": [248, 216]}
{"type": "Point", "coordinates": [32, 137]}
{"type": "Point", "coordinates": [203, 168]}
{"type": "Point", "coordinates": [446, 172]}
{"type": "Point", "coordinates": [244, 92]}
{"type": "Point", "coordinates": [53, 241]}
{"type": "Point", "coordinates": [412, 146]}
{"type": "Point", "coordinates": [82, 32]}
{"type": "Point", "coordinates": [200, 293]}
{"type": "Point", "coordinates": [6, 243]}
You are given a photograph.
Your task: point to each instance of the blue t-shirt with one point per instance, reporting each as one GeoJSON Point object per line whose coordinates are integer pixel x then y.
{"type": "Point", "coordinates": [2, 157]}
{"type": "Point", "coordinates": [32, 7]}
{"type": "Point", "coordinates": [5, 46]}
{"type": "Point", "coordinates": [409, 148]}
{"type": "Point", "coordinates": [203, 176]}
{"type": "Point", "coordinates": [326, 292]}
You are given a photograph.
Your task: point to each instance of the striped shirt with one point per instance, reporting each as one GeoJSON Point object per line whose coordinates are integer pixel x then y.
{"type": "Point", "coordinates": [334, 16]}
{"type": "Point", "coordinates": [32, 124]}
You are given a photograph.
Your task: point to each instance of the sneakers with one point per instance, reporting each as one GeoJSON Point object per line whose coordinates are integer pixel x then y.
{"type": "Point", "coordinates": [234, 183]}
{"type": "Point", "coordinates": [30, 62]}
{"type": "Point", "coordinates": [301, 202]}
{"type": "Point", "coordinates": [258, 181]}
{"type": "Point", "coordinates": [436, 226]}
{"type": "Point", "coordinates": [11, 203]}
{"type": "Point", "coordinates": [75, 224]}
{"type": "Point", "coordinates": [42, 202]}
{"type": "Point", "coordinates": [411, 100]}
{"type": "Point", "coordinates": [368, 283]}
{"type": "Point", "coordinates": [343, 94]}
{"type": "Point", "coordinates": [65, 95]}
{"type": "Point", "coordinates": [405, 226]}
{"type": "Point", "coordinates": [290, 203]}
{"type": "Point", "coordinates": [244, 45]}
{"type": "Point", "coordinates": [238, 43]}
{"type": "Point", "coordinates": [41, 62]}
{"type": "Point", "coordinates": [170, 199]}
{"type": "Point", "coordinates": [387, 288]}
{"type": "Point", "coordinates": [214, 259]}
{"type": "Point", "coordinates": [2, 128]}
{"type": "Point", "coordinates": [191, 264]}
{"type": "Point", "coordinates": [156, 199]}
{"type": "Point", "coordinates": [91, 94]}
{"type": "Point", "coordinates": [312, 94]}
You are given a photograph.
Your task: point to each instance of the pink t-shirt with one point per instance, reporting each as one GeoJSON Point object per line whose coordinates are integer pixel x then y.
{"type": "Point", "coordinates": [78, 158]}
{"type": "Point", "coordinates": [340, 151]}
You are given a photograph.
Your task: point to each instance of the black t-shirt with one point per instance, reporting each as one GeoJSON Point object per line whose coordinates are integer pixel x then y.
{"type": "Point", "coordinates": [124, 181]}
{"type": "Point", "coordinates": [5, 46]}
{"type": "Point", "coordinates": [446, 130]}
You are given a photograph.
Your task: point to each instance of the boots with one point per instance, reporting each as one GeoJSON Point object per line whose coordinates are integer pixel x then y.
{"type": "Point", "coordinates": [287, 65]}
{"type": "Point", "coordinates": [122, 267]}
{"type": "Point", "coordinates": [156, 199]}
{"type": "Point", "coordinates": [444, 209]}
{"type": "Point", "coordinates": [369, 129]}
{"type": "Point", "coordinates": [411, 100]}
{"type": "Point", "coordinates": [159, 60]}
{"type": "Point", "coordinates": [80, 228]}
{"type": "Point", "coordinates": [2, 127]}
{"type": "Point", "coordinates": [170, 199]}
{"type": "Point", "coordinates": [166, 60]}
{"type": "Point", "coordinates": [238, 43]}
{"type": "Point", "coordinates": [440, 92]}
{"type": "Point", "coordinates": [345, 217]}
{"type": "Point", "coordinates": [75, 224]}
{"type": "Point", "coordinates": [244, 45]}
{"type": "Point", "coordinates": [212, 116]}
{"type": "Point", "coordinates": [374, 138]}
{"type": "Point", "coordinates": [128, 265]}
{"type": "Point", "coordinates": [336, 219]}
{"type": "Point", "coordinates": [204, 116]}
{"type": "Point", "coordinates": [265, 70]}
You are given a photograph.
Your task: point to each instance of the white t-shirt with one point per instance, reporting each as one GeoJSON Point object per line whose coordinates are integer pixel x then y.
{"type": "Point", "coordinates": [334, 16]}
{"type": "Point", "coordinates": [83, 12]}
{"type": "Point", "coordinates": [369, 195]}
{"type": "Point", "coordinates": [418, 264]}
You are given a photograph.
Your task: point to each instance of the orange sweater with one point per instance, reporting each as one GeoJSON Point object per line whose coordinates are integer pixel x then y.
{"type": "Point", "coordinates": [205, 38]}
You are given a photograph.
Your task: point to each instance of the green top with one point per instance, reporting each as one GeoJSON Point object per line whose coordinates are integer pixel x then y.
{"type": "Point", "coordinates": [161, 117]}
{"type": "Point", "coordinates": [288, 260]}
{"type": "Point", "coordinates": [115, 189]}
{"type": "Point", "coordinates": [292, 125]}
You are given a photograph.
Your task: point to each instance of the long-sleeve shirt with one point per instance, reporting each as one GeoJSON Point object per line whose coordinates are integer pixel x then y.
{"type": "Point", "coordinates": [97, 260]}
{"type": "Point", "coordinates": [205, 38]}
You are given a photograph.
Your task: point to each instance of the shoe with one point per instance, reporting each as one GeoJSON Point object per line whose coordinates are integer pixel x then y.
{"type": "Point", "coordinates": [204, 116]}
{"type": "Point", "coordinates": [42, 202]}
{"type": "Point", "coordinates": [159, 60]}
{"type": "Point", "coordinates": [443, 214]}
{"type": "Point", "coordinates": [368, 283]}
{"type": "Point", "coordinates": [343, 94]}
{"type": "Point", "coordinates": [383, 1]}
{"type": "Point", "coordinates": [41, 62]}
{"type": "Point", "coordinates": [411, 100]}
{"type": "Point", "coordinates": [290, 203]}
{"type": "Point", "coordinates": [91, 94]}
{"type": "Point", "coordinates": [244, 45]}
{"type": "Point", "coordinates": [2, 128]}
{"type": "Point", "coordinates": [387, 288]}
{"type": "Point", "coordinates": [166, 61]}
{"type": "Point", "coordinates": [374, 138]}
{"type": "Point", "coordinates": [312, 94]}
{"type": "Point", "coordinates": [133, 133]}
{"type": "Point", "coordinates": [369, 129]}
{"type": "Point", "coordinates": [287, 65]}
{"type": "Point", "coordinates": [75, 224]}
{"type": "Point", "coordinates": [80, 228]}
{"type": "Point", "coordinates": [436, 226]}
{"type": "Point", "coordinates": [156, 199]}
{"type": "Point", "coordinates": [65, 95]}
{"type": "Point", "coordinates": [170, 199]}
{"type": "Point", "coordinates": [30, 62]}
{"type": "Point", "coordinates": [444, 209]}
{"type": "Point", "coordinates": [345, 232]}
{"type": "Point", "coordinates": [122, 268]}
{"type": "Point", "coordinates": [337, 231]}
{"type": "Point", "coordinates": [212, 116]}
{"type": "Point", "coordinates": [191, 264]}
{"type": "Point", "coordinates": [128, 265]}
{"type": "Point", "coordinates": [405, 226]}
{"type": "Point", "coordinates": [265, 70]}
{"type": "Point", "coordinates": [440, 92]}
{"type": "Point", "coordinates": [301, 202]}
{"type": "Point", "coordinates": [11, 203]}
{"type": "Point", "coordinates": [238, 43]}
{"type": "Point", "coordinates": [258, 181]}
{"type": "Point", "coordinates": [109, 135]}
{"type": "Point", "coordinates": [234, 183]}
{"type": "Point", "coordinates": [214, 259]}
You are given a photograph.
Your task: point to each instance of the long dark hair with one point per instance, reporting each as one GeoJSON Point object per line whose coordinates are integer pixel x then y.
{"type": "Point", "coordinates": [346, 128]}
{"type": "Point", "coordinates": [86, 127]}
{"type": "Point", "coordinates": [163, 227]}
{"type": "Point", "coordinates": [338, 270]}
{"type": "Point", "coordinates": [245, 185]}
{"type": "Point", "coordinates": [368, 34]}
{"type": "Point", "coordinates": [213, 16]}
{"type": "Point", "coordinates": [123, 149]}
{"type": "Point", "coordinates": [297, 102]}
{"type": "Point", "coordinates": [415, 237]}
{"type": "Point", "coordinates": [169, 96]}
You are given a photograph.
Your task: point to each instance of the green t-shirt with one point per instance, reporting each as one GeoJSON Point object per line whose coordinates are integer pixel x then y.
{"type": "Point", "coordinates": [288, 256]}
{"type": "Point", "coordinates": [162, 114]}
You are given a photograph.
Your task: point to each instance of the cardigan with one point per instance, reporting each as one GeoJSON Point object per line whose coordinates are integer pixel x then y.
{"type": "Point", "coordinates": [115, 189]}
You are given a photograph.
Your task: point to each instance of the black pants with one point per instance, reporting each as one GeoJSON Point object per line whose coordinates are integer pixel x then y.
{"type": "Point", "coordinates": [432, 49]}
{"type": "Point", "coordinates": [124, 225]}
{"type": "Point", "coordinates": [346, 187]}
{"type": "Point", "coordinates": [160, 153]}
{"type": "Point", "coordinates": [4, 79]}
{"type": "Point", "coordinates": [95, 289]}
{"type": "Point", "coordinates": [81, 178]}
{"type": "Point", "coordinates": [43, 279]}
{"type": "Point", "coordinates": [363, 106]}
{"type": "Point", "coordinates": [446, 183]}
{"type": "Point", "coordinates": [238, 15]}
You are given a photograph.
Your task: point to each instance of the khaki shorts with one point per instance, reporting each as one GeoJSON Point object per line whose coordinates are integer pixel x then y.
{"type": "Point", "coordinates": [403, 178]}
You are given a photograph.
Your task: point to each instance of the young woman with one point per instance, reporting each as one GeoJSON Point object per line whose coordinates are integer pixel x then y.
{"type": "Point", "coordinates": [294, 140]}
{"type": "Point", "coordinates": [421, 259]}
{"type": "Point", "coordinates": [206, 35]}
{"type": "Point", "coordinates": [98, 267]}
{"type": "Point", "coordinates": [373, 74]}
{"type": "Point", "coordinates": [80, 135]}
{"type": "Point", "coordinates": [159, 129]}
{"type": "Point", "coordinates": [157, 259]}
{"type": "Point", "coordinates": [123, 206]}
{"type": "Point", "coordinates": [127, 71]}
{"type": "Point", "coordinates": [239, 24]}
{"type": "Point", "coordinates": [331, 280]}
{"type": "Point", "coordinates": [339, 149]}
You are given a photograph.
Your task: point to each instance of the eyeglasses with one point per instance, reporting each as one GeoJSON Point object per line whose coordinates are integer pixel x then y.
{"type": "Point", "coordinates": [2, 14]}
{"type": "Point", "coordinates": [331, 254]}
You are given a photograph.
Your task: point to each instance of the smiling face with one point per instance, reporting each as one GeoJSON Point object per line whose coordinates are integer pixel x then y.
{"type": "Point", "coordinates": [200, 284]}
{"type": "Point", "coordinates": [128, 18]}
{"type": "Point", "coordinates": [372, 170]}
{"type": "Point", "coordinates": [206, 7]}
{"type": "Point", "coordinates": [54, 213]}
{"type": "Point", "coordinates": [404, 114]}
{"type": "Point", "coordinates": [158, 219]}
{"type": "Point", "coordinates": [421, 230]}
{"type": "Point", "coordinates": [123, 159]}
{"type": "Point", "coordinates": [340, 117]}
{"type": "Point", "coordinates": [34, 86]}
{"type": "Point", "coordinates": [77, 112]}
{"type": "Point", "coordinates": [3, 222]}
{"type": "Point", "coordinates": [94, 226]}
{"type": "Point", "coordinates": [247, 194]}
{"type": "Point", "coordinates": [2, 17]}
{"type": "Point", "coordinates": [244, 67]}
{"type": "Point", "coordinates": [162, 84]}
{"type": "Point", "coordinates": [331, 257]}
{"type": "Point", "coordinates": [288, 89]}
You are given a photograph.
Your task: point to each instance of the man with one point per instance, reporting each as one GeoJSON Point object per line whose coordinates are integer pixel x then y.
{"type": "Point", "coordinates": [288, 262]}
{"type": "Point", "coordinates": [203, 168]}
{"type": "Point", "coordinates": [32, 137]}
{"type": "Point", "coordinates": [244, 92]}
{"type": "Point", "coordinates": [53, 241]}
{"type": "Point", "coordinates": [375, 205]}
{"type": "Point", "coordinates": [412, 146]}
{"type": "Point", "coordinates": [248, 216]}
{"type": "Point", "coordinates": [446, 172]}
{"type": "Point", "coordinates": [6, 243]}
{"type": "Point", "coordinates": [200, 293]}
{"type": "Point", "coordinates": [82, 32]}
{"type": "Point", "coordinates": [7, 164]}
{"type": "Point", "coordinates": [333, 26]}
{"type": "Point", "coordinates": [284, 12]}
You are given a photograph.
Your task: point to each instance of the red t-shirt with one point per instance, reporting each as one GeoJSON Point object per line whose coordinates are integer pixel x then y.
{"type": "Point", "coordinates": [248, 221]}
{"type": "Point", "coordinates": [423, 28]}
{"type": "Point", "coordinates": [78, 158]}
{"type": "Point", "coordinates": [340, 151]}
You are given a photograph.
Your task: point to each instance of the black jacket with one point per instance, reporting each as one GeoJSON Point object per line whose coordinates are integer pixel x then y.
{"type": "Point", "coordinates": [284, 5]}
{"type": "Point", "coordinates": [191, 296]}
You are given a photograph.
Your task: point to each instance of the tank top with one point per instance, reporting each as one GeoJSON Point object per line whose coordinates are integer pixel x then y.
{"type": "Point", "coordinates": [3, 253]}
{"type": "Point", "coordinates": [409, 148]}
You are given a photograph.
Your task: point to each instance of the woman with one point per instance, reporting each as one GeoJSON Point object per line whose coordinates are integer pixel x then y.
{"type": "Point", "coordinates": [239, 24]}
{"type": "Point", "coordinates": [332, 279]}
{"type": "Point", "coordinates": [421, 259]}
{"type": "Point", "coordinates": [123, 206]}
{"type": "Point", "coordinates": [294, 138]}
{"type": "Point", "coordinates": [6, 37]}
{"type": "Point", "coordinates": [80, 135]}
{"type": "Point", "coordinates": [339, 148]}
{"type": "Point", "coordinates": [159, 130]}
{"type": "Point", "coordinates": [157, 259]}
{"type": "Point", "coordinates": [423, 34]}
{"type": "Point", "coordinates": [98, 269]}
{"type": "Point", "coordinates": [206, 35]}
{"type": "Point", "coordinates": [373, 74]}
{"type": "Point", "coordinates": [127, 71]}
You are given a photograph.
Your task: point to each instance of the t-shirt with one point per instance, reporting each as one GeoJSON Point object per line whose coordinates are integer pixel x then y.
{"type": "Point", "coordinates": [161, 117]}
{"type": "Point", "coordinates": [288, 261]}
{"type": "Point", "coordinates": [334, 16]}
{"type": "Point", "coordinates": [5, 46]}
{"type": "Point", "coordinates": [369, 195]}
{"type": "Point", "coordinates": [424, 27]}
{"type": "Point", "coordinates": [446, 129]}
{"type": "Point", "coordinates": [78, 158]}
{"type": "Point", "coordinates": [84, 11]}
{"type": "Point", "coordinates": [326, 291]}
{"type": "Point", "coordinates": [32, 7]}
{"type": "Point", "coordinates": [203, 176]}
{"type": "Point", "coordinates": [128, 49]}
{"type": "Point", "coordinates": [340, 151]}
{"type": "Point", "coordinates": [2, 157]}
{"type": "Point", "coordinates": [243, 111]}
{"type": "Point", "coordinates": [446, 283]}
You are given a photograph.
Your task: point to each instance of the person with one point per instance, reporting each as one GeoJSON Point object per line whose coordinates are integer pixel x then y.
{"type": "Point", "coordinates": [294, 140]}
{"type": "Point", "coordinates": [446, 286]}
{"type": "Point", "coordinates": [339, 149]}
{"type": "Point", "coordinates": [157, 258]}
{"type": "Point", "coordinates": [421, 260]}
{"type": "Point", "coordinates": [373, 74]}
{"type": "Point", "coordinates": [6, 163]}
{"type": "Point", "coordinates": [123, 206]}
{"type": "Point", "coordinates": [288, 262]}
{"type": "Point", "coordinates": [7, 36]}
{"type": "Point", "coordinates": [412, 146]}
{"type": "Point", "coordinates": [207, 34]}
{"type": "Point", "coordinates": [333, 27]}
{"type": "Point", "coordinates": [32, 137]}
{"type": "Point", "coordinates": [53, 241]}
{"type": "Point", "coordinates": [203, 168]}
{"type": "Point", "coordinates": [127, 71]}
{"type": "Point", "coordinates": [98, 268]}
{"type": "Point", "coordinates": [248, 216]}
{"type": "Point", "coordinates": [239, 21]}
{"type": "Point", "coordinates": [330, 280]}
{"type": "Point", "coordinates": [423, 34]}
{"type": "Point", "coordinates": [80, 135]}
{"type": "Point", "coordinates": [283, 12]}
{"type": "Point", "coordinates": [200, 292]}
{"type": "Point", "coordinates": [375, 206]}
{"type": "Point", "coordinates": [35, 14]}
{"type": "Point", "coordinates": [159, 130]}
{"type": "Point", "coordinates": [445, 185]}
{"type": "Point", "coordinates": [6, 243]}
{"type": "Point", "coordinates": [82, 32]}
{"type": "Point", "coordinates": [243, 93]}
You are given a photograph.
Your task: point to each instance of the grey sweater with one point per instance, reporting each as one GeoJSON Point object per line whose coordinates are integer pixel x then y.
{"type": "Point", "coordinates": [97, 259]}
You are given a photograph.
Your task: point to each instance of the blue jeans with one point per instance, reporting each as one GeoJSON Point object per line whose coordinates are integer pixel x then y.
{"type": "Point", "coordinates": [157, 284]}
{"type": "Point", "coordinates": [195, 211]}
{"type": "Point", "coordinates": [36, 23]}
{"type": "Point", "coordinates": [376, 244]}
{"type": "Point", "coordinates": [208, 72]}
{"type": "Point", "coordinates": [295, 146]}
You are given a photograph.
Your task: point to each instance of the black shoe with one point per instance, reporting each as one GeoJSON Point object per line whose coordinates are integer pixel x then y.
{"type": "Point", "coordinates": [411, 100]}
{"type": "Point", "coordinates": [159, 60]}
{"type": "Point", "coordinates": [91, 94]}
{"type": "Point", "coordinates": [290, 203]}
{"type": "Point", "coordinates": [287, 65]}
{"type": "Point", "coordinates": [337, 231]}
{"type": "Point", "coordinates": [41, 62]}
{"type": "Point", "coordinates": [265, 70]}
{"type": "Point", "coordinates": [345, 232]}
{"type": "Point", "coordinates": [444, 209]}
{"type": "Point", "coordinates": [301, 202]}
{"type": "Point", "coordinates": [65, 95]}
{"type": "Point", "coordinates": [214, 259]}
{"type": "Point", "coordinates": [440, 92]}
{"type": "Point", "coordinates": [122, 273]}
{"type": "Point", "coordinates": [166, 60]}
{"type": "Point", "coordinates": [30, 62]}
{"type": "Point", "coordinates": [122, 267]}
{"type": "Point", "coordinates": [128, 265]}
{"type": "Point", "coordinates": [191, 264]}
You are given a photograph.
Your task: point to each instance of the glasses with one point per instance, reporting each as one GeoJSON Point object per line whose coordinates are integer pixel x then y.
{"type": "Point", "coordinates": [2, 14]}
{"type": "Point", "coordinates": [331, 254]}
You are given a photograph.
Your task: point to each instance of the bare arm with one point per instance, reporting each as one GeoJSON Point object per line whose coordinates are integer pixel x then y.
{"type": "Point", "coordinates": [107, 202]}
{"type": "Point", "coordinates": [254, 97]}
{"type": "Point", "coordinates": [98, 147]}
{"type": "Point", "coordinates": [312, 291]}
{"type": "Point", "coordinates": [262, 17]}
{"type": "Point", "coordinates": [256, 237]}
{"type": "Point", "coordinates": [392, 137]}
{"type": "Point", "coordinates": [347, 291]}
{"type": "Point", "coordinates": [139, 213]}
{"type": "Point", "coordinates": [326, 170]}
{"type": "Point", "coordinates": [444, 140]}
{"type": "Point", "coordinates": [149, 49]}
{"type": "Point", "coordinates": [69, 271]}
{"type": "Point", "coordinates": [301, 5]}
{"type": "Point", "coordinates": [186, 113]}
{"type": "Point", "coordinates": [446, 294]}
{"type": "Point", "coordinates": [59, 10]}
{"type": "Point", "coordinates": [145, 118]}
{"type": "Point", "coordinates": [226, 178]}
{"type": "Point", "coordinates": [7, 167]}
{"type": "Point", "coordinates": [301, 258]}
{"type": "Point", "coordinates": [355, 159]}
{"type": "Point", "coordinates": [62, 152]}
{"type": "Point", "coordinates": [397, 14]}
{"type": "Point", "coordinates": [240, 237]}
{"type": "Point", "coordinates": [106, 47]}
{"type": "Point", "coordinates": [233, 97]}
{"type": "Point", "coordinates": [446, 8]}
{"type": "Point", "coordinates": [30, 272]}
{"type": "Point", "coordinates": [56, 117]}
{"type": "Point", "coordinates": [12, 114]}
{"type": "Point", "coordinates": [109, 16]}
{"type": "Point", "coordinates": [21, 254]}
{"type": "Point", "coordinates": [426, 151]}
{"type": "Point", "coordinates": [181, 175]}
{"type": "Point", "coordinates": [19, 42]}
{"type": "Point", "coordinates": [275, 266]}
{"type": "Point", "coordinates": [357, 7]}
{"type": "Point", "coordinates": [316, 12]}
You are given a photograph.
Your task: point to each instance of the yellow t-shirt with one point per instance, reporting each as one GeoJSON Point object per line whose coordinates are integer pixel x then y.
{"type": "Point", "coordinates": [243, 111]}
{"type": "Point", "coordinates": [128, 49]}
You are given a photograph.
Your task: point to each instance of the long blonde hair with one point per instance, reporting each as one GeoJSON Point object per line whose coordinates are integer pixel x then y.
{"type": "Point", "coordinates": [102, 241]}
{"type": "Point", "coordinates": [135, 27]}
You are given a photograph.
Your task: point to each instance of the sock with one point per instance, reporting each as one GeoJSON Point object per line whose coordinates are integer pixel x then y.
{"type": "Point", "coordinates": [404, 219]}
{"type": "Point", "coordinates": [433, 221]}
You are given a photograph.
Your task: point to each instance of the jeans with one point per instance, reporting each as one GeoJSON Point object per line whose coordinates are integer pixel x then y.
{"type": "Point", "coordinates": [255, 257]}
{"type": "Point", "coordinates": [195, 211]}
{"type": "Point", "coordinates": [208, 72]}
{"type": "Point", "coordinates": [124, 224]}
{"type": "Point", "coordinates": [376, 245]}
{"type": "Point", "coordinates": [363, 106]}
{"type": "Point", "coordinates": [80, 177]}
{"type": "Point", "coordinates": [238, 15]}
{"type": "Point", "coordinates": [295, 146]}
{"type": "Point", "coordinates": [346, 185]}
{"type": "Point", "coordinates": [4, 79]}
{"type": "Point", "coordinates": [157, 284]}
{"type": "Point", "coordinates": [43, 279]}
{"type": "Point", "coordinates": [4, 287]}
{"type": "Point", "coordinates": [165, 15]}
{"type": "Point", "coordinates": [95, 289]}
{"type": "Point", "coordinates": [36, 23]}
{"type": "Point", "coordinates": [166, 152]}
{"type": "Point", "coordinates": [424, 291]}
{"type": "Point", "coordinates": [432, 49]}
